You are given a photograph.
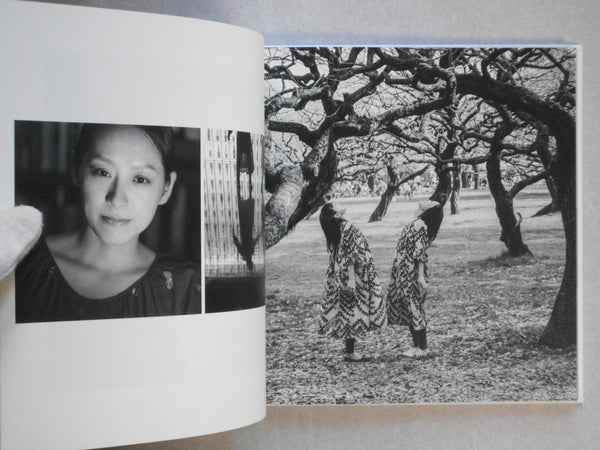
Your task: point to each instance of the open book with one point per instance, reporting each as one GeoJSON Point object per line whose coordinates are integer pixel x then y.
{"type": "Point", "coordinates": [141, 313]}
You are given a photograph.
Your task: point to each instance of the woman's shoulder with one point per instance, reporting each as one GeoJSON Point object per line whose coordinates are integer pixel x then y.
{"type": "Point", "coordinates": [412, 230]}
{"type": "Point", "coordinates": [419, 225]}
{"type": "Point", "coordinates": [351, 231]}
{"type": "Point", "coordinates": [353, 237]}
{"type": "Point", "coordinates": [350, 227]}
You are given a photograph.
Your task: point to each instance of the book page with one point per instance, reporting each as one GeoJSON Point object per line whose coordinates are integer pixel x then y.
{"type": "Point", "coordinates": [434, 194]}
{"type": "Point", "coordinates": [139, 138]}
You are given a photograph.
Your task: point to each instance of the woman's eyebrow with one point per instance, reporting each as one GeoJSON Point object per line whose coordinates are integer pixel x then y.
{"type": "Point", "coordinates": [145, 166]}
{"type": "Point", "coordinates": [96, 156]}
{"type": "Point", "coordinates": [106, 160]}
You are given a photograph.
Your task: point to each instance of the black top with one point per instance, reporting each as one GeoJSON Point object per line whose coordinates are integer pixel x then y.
{"type": "Point", "coordinates": [170, 286]}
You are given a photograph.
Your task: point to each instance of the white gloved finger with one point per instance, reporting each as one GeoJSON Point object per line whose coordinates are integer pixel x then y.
{"type": "Point", "coordinates": [20, 229]}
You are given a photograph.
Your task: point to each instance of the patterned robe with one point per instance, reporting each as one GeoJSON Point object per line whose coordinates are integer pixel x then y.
{"type": "Point", "coordinates": [344, 315]}
{"type": "Point", "coordinates": [404, 297]}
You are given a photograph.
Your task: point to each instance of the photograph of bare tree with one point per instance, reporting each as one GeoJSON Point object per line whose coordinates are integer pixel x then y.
{"type": "Point", "coordinates": [436, 187]}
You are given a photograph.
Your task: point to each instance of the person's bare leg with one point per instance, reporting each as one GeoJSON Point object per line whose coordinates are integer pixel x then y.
{"type": "Point", "coordinates": [351, 354]}
{"type": "Point", "coordinates": [415, 338]}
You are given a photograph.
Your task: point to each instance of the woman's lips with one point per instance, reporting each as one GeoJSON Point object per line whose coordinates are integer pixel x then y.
{"type": "Point", "coordinates": [115, 221]}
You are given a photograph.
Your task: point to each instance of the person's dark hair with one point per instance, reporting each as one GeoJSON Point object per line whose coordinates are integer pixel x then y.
{"type": "Point", "coordinates": [331, 227]}
{"type": "Point", "coordinates": [433, 219]}
{"type": "Point", "coordinates": [161, 137]}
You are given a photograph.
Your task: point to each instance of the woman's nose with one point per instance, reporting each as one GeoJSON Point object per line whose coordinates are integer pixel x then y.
{"type": "Point", "coordinates": [117, 193]}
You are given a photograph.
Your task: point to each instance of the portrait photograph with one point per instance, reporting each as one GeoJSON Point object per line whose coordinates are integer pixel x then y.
{"type": "Point", "coordinates": [122, 222]}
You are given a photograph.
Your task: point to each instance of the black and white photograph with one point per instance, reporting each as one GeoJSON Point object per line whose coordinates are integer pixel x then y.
{"type": "Point", "coordinates": [421, 225]}
{"type": "Point", "coordinates": [122, 225]}
{"type": "Point", "coordinates": [233, 220]}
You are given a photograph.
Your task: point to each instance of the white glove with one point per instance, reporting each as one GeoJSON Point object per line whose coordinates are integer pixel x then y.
{"type": "Point", "coordinates": [20, 229]}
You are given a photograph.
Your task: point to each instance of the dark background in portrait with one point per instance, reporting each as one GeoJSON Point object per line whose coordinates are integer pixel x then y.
{"type": "Point", "coordinates": [43, 179]}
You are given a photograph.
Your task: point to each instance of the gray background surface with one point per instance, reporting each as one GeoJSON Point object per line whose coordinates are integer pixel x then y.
{"type": "Point", "coordinates": [514, 22]}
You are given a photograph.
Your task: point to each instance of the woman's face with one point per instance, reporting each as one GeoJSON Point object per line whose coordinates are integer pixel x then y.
{"type": "Point", "coordinates": [339, 210]}
{"type": "Point", "coordinates": [122, 181]}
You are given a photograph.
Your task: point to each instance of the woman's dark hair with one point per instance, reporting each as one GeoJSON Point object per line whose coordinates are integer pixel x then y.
{"type": "Point", "coordinates": [433, 219]}
{"type": "Point", "coordinates": [161, 137]}
{"type": "Point", "coordinates": [331, 226]}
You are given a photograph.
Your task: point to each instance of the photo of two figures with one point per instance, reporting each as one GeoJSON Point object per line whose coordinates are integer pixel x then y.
{"type": "Point", "coordinates": [420, 225]}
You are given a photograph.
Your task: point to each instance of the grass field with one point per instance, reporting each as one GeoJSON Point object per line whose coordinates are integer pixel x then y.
{"type": "Point", "coordinates": [485, 313]}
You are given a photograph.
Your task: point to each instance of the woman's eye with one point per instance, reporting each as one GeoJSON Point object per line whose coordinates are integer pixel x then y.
{"type": "Point", "coordinates": [100, 172]}
{"type": "Point", "coordinates": [141, 180]}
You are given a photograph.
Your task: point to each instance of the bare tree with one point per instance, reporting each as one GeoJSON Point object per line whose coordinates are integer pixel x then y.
{"type": "Point", "coordinates": [391, 190]}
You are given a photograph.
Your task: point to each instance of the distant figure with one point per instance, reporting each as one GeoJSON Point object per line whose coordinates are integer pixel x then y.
{"type": "Point", "coordinates": [407, 192]}
{"type": "Point", "coordinates": [246, 243]}
{"type": "Point", "coordinates": [353, 303]}
{"type": "Point", "coordinates": [408, 280]}
{"type": "Point", "coordinates": [245, 154]}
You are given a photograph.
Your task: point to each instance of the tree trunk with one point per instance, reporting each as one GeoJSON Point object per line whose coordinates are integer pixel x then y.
{"type": "Point", "coordinates": [444, 187]}
{"type": "Point", "coordinates": [282, 203]}
{"type": "Point", "coordinates": [386, 197]}
{"type": "Point", "coordinates": [298, 189]}
{"type": "Point", "coordinates": [553, 206]}
{"type": "Point", "coordinates": [476, 181]}
{"type": "Point", "coordinates": [550, 208]}
{"type": "Point", "coordinates": [561, 330]}
{"type": "Point", "coordinates": [371, 183]}
{"type": "Point", "coordinates": [318, 185]}
{"type": "Point", "coordinates": [444, 172]}
{"type": "Point", "coordinates": [318, 206]}
{"type": "Point", "coordinates": [392, 189]}
{"type": "Point", "coordinates": [511, 230]}
{"type": "Point", "coordinates": [455, 196]}
{"type": "Point", "coordinates": [464, 176]}
{"type": "Point", "coordinates": [541, 144]}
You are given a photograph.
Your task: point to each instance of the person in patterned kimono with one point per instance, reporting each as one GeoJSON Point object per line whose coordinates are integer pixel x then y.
{"type": "Point", "coordinates": [353, 302]}
{"type": "Point", "coordinates": [408, 280]}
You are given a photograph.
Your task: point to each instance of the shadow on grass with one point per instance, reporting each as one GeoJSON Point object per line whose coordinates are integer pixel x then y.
{"type": "Point", "coordinates": [525, 339]}
{"type": "Point", "coordinates": [505, 260]}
